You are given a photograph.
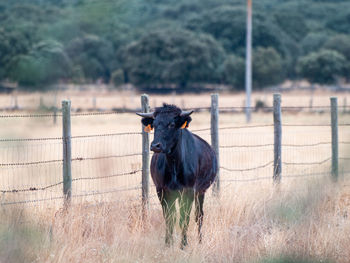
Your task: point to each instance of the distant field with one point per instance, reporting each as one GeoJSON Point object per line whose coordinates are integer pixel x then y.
{"type": "Point", "coordinates": [108, 100]}
{"type": "Point", "coordinates": [251, 220]}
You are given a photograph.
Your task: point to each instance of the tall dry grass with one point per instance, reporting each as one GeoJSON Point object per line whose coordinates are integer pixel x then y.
{"type": "Point", "coordinates": [247, 223]}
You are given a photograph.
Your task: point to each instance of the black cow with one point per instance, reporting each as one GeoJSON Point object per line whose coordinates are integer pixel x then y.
{"type": "Point", "coordinates": [183, 166]}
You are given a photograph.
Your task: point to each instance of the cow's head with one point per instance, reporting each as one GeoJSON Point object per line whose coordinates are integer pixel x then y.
{"type": "Point", "coordinates": [167, 122]}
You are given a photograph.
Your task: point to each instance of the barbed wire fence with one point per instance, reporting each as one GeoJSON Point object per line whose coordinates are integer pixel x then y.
{"type": "Point", "coordinates": [101, 164]}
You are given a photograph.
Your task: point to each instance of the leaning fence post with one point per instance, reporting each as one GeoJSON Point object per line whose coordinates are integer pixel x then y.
{"type": "Point", "coordinates": [145, 158]}
{"type": "Point", "coordinates": [277, 162]}
{"type": "Point", "coordinates": [215, 136]}
{"type": "Point", "coordinates": [67, 152]}
{"type": "Point", "coordinates": [334, 122]}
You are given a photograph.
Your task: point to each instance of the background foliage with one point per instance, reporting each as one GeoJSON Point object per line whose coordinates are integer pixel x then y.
{"type": "Point", "coordinates": [172, 42]}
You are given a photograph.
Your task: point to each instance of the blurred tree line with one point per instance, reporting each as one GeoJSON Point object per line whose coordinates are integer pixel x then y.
{"type": "Point", "coordinates": [179, 42]}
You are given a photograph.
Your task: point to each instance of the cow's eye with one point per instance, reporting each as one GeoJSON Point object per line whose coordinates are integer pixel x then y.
{"type": "Point", "coordinates": [171, 125]}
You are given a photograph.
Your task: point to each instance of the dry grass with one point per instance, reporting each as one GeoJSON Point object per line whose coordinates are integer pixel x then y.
{"type": "Point", "coordinates": [305, 217]}
{"type": "Point", "coordinates": [246, 224]}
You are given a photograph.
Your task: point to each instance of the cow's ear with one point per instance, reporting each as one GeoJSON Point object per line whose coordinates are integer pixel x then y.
{"type": "Point", "coordinates": [147, 121]}
{"type": "Point", "coordinates": [183, 121]}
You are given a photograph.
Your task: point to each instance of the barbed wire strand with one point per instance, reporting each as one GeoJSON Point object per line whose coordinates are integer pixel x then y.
{"type": "Point", "coordinates": [283, 145]}
{"type": "Point", "coordinates": [30, 163]}
{"type": "Point", "coordinates": [128, 110]}
{"type": "Point", "coordinates": [73, 159]}
{"type": "Point", "coordinates": [246, 145]}
{"type": "Point", "coordinates": [105, 157]}
{"type": "Point", "coordinates": [73, 196]}
{"type": "Point", "coordinates": [196, 130]}
{"type": "Point", "coordinates": [106, 176]}
{"type": "Point", "coordinates": [72, 137]}
{"type": "Point", "coordinates": [308, 163]}
{"type": "Point", "coordinates": [283, 176]}
{"type": "Point", "coordinates": [31, 189]}
{"type": "Point", "coordinates": [246, 169]}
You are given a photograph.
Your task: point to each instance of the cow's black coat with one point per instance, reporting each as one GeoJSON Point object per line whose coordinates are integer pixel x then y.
{"type": "Point", "coordinates": [182, 167]}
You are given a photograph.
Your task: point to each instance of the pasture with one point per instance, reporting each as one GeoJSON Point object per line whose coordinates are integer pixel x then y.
{"type": "Point", "coordinates": [252, 219]}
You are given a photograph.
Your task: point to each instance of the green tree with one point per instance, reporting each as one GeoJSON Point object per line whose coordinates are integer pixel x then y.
{"type": "Point", "coordinates": [45, 64]}
{"type": "Point", "coordinates": [173, 56]}
{"type": "Point", "coordinates": [267, 67]}
{"type": "Point", "coordinates": [12, 44]}
{"type": "Point", "coordinates": [227, 24]}
{"type": "Point", "coordinates": [340, 43]}
{"type": "Point", "coordinates": [323, 67]}
{"type": "Point", "coordinates": [341, 22]}
{"type": "Point", "coordinates": [234, 72]}
{"type": "Point", "coordinates": [293, 24]}
{"type": "Point", "coordinates": [313, 42]}
{"type": "Point", "coordinates": [93, 55]}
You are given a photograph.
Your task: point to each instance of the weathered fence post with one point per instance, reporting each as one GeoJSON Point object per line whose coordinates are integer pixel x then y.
{"type": "Point", "coordinates": [145, 158]}
{"type": "Point", "coordinates": [67, 152]}
{"type": "Point", "coordinates": [15, 105]}
{"type": "Point", "coordinates": [55, 108]}
{"type": "Point", "coordinates": [334, 122]}
{"type": "Point", "coordinates": [277, 163]}
{"type": "Point", "coordinates": [344, 105]}
{"type": "Point", "coordinates": [215, 136]}
{"type": "Point", "coordinates": [54, 115]}
{"type": "Point", "coordinates": [310, 104]}
{"type": "Point", "coordinates": [94, 102]}
{"type": "Point", "coordinates": [41, 103]}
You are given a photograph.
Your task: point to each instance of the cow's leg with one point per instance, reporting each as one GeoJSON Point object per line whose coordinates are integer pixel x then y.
{"type": "Point", "coordinates": [199, 200]}
{"type": "Point", "coordinates": [167, 200]}
{"type": "Point", "coordinates": [185, 204]}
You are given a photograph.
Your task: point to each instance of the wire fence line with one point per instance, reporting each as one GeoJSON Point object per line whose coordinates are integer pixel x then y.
{"type": "Point", "coordinates": [97, 164]}
{"type": "Point", "coordinates": [248, 169]}
{"type": "Point", "coordinates": [286, 176]}
{"type": "Point", "coordinates": [114, 111]}
{"type": "Point", "coordinates": [221, 146]}
{"type": "Point", "coordinates": [308, 163]}
{"type": "Point", "coordinates": [284, 145]}
{"type": "Point", "coordinates": [195, 130]}
{"type": "Point", "coordinates": [73, 159]}
{"type": "Point", "coordinates": [31, 189]}
{"type": "Point", "coordinates": [73, 196]}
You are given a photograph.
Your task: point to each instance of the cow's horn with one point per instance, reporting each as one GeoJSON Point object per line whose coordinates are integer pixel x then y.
{"type": "Point", "coordinates": [186, 113]}
{"type": "Point", "coordinates": [146, 114]}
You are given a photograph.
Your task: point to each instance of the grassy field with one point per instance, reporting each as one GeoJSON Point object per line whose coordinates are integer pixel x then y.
{"type": "Point", "coordinates": [306, 216]}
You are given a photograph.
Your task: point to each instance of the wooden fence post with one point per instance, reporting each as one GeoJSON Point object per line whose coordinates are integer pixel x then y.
{"type": "Point", "coordinates": [145, 159]}
{"type": "Point", "coordinates": [215, 136]}
{"type": "Point", "coordinates": [277, 163]}
{"type": "Point", "coordinates": [344, 105]}
{"type": "Point", "coordinates": [54, 115]}
{"type": "Point", "coordinates": [15, 105]}
{"type": "Point", "coordinates": [310, 104]}
{"type": "Point", "coordinates": [67, 152]}
{"type": "Point", "coordinates": [94, 102]}
{"type": "Point", "coordinates": [41, 103]}
{"type": "Point", "coordinates": [55, 108]}
{"type": "Point", "coordinates": [334, 122]}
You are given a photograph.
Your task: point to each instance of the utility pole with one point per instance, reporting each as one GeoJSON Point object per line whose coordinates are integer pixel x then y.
{"type": "Point", "coordinates": [248, 63]}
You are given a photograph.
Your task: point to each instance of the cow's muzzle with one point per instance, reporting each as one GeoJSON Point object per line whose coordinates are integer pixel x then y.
{"type": "Point", "coordinates": [156, 147]}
